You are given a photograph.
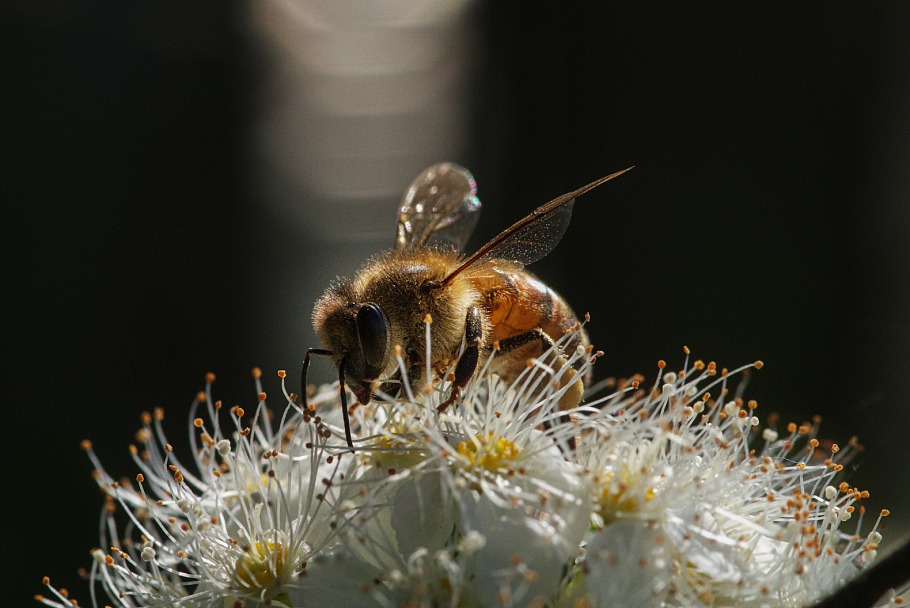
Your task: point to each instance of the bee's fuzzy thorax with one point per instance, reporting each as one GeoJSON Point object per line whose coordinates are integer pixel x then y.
{"type": "Point", "coordinates": [395, 281]}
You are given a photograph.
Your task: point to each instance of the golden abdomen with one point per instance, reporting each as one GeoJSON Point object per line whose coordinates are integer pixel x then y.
{"type": "Point", "coordinates": [519, 302]}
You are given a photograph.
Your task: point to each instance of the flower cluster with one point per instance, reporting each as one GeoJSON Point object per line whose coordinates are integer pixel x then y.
{"type": "Point", "coordinates": [672, 495]}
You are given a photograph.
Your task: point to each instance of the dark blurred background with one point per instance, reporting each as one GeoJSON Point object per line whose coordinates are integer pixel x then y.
{"type": "Point", "coordinates": [182, 180]}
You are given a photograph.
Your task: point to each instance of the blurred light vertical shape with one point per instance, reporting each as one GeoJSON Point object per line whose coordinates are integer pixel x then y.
{"type": "Point", "coordinates": [356, 98]}
{"type": "Point", "coordinates": [362, 96]}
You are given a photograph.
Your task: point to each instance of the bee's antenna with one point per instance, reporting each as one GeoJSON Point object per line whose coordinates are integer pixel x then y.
{"type": "Point", "coordinates": [344, 398]}
{"type": "Point", "coordinates": [306, 365]}
{"type": "Point", "coordinates": [344, 406]}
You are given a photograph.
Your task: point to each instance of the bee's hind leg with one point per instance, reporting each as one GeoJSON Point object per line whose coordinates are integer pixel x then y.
{"type": "Point", "coordinates": [509, 344]}
{"type": "Point", "coordinates": [564, 373]}
{"type": "Point", "coordinates": [467, 362]}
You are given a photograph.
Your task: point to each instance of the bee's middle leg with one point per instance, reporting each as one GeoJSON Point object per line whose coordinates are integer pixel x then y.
{"type": "Point", "coordinates": [467, 362]}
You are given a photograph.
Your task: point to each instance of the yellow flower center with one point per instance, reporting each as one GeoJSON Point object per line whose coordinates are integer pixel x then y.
{"type": "Point", "coordinates": [622, 493]}
{"type": "Point", "coordinates": [262, 567]}
{"type": "Point", "coordinates": [488, 452]}
{"type": "Point", "coordinates": [396, 452]}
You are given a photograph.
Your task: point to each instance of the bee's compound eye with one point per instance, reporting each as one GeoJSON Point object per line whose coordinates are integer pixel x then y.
{"type": "Point", "coordinates": [373, 332]}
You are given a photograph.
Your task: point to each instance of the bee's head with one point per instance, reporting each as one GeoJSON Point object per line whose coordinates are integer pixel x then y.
{"type": "Point", "coordinates": [359, 337]}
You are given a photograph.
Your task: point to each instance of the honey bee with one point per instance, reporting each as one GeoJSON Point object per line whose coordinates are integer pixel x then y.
{"type": "Point", "coordinates": [480, 306]}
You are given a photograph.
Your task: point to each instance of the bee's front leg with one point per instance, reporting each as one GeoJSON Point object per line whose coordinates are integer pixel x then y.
{"type": "Point", "coordinates": [467, 362]}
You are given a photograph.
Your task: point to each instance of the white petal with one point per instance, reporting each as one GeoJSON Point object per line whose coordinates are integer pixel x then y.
{"type": "Point", "coordinates": [337, 579]}
{"type": "Point", "coordinates": [626, 565]}
{"type": "Point", "coordinates": [422, 514]}
{"type": "Point", "coordinates": [523, 555]}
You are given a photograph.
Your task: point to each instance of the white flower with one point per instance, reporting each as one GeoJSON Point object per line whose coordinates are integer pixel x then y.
{"type": "Point", "coordinates": [693, 499]}
{"type": "Point", "coordinates": [673, 496]}
{"type": "Point", "coordinates": [236, 527]}
{"type": "Point", "coordinates": [484, 477]}
{"type": "Point", "coordinates": [499, 462]}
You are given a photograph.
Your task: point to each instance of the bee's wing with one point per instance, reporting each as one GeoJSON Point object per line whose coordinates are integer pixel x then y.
{"type": "Point", "coordinates": [530, 238]}
{"type": "Point", "coordinates": [440, 209]}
